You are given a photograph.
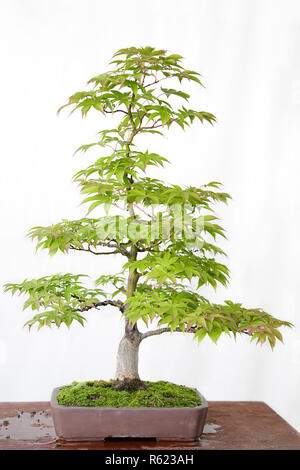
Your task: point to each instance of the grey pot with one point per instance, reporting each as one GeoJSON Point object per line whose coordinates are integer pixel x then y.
{"type": "Point", "coordinates": [81, 423]}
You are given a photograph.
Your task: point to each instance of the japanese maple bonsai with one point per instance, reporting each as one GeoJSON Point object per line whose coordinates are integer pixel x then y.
{"type": "Point", "coordinates": [165, 233]}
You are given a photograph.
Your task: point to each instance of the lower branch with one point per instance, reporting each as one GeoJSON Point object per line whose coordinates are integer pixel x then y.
{"type": "Point", "coordinates": [159, 331]}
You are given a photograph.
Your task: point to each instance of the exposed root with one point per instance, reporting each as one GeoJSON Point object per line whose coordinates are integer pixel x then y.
{"type": "Point", "coordinates": [129, 385]}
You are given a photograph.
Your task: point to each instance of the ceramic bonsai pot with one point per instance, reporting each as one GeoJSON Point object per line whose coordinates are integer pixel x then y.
{"type": "Point", "coordinates": [82, 423]}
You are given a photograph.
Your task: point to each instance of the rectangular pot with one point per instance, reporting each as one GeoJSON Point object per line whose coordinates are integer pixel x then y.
{"type": "Point", "coordinates": [81, 423]}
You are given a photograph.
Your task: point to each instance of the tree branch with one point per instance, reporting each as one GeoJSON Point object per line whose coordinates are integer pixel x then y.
{"type": "Point", "coordinates": [94, 252]}
{"type": "Point", "coordinates": [156, 81]}
{"type": "Point", "coordinates": [114, 303]}
{"type": "Point", "coordinates": [119, 249]}
{"type": "Point", "coordinates": [116, 111]}
{"type": "Point", "coordinates": [159, 331]}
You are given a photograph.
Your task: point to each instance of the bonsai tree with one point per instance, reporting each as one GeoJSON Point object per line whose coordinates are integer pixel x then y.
{"type": "Point", "coordinates": [164, 234]}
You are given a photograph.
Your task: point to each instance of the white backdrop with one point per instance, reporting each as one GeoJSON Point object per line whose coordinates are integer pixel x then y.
{"type": "Point", "coordinates": [248, 54]}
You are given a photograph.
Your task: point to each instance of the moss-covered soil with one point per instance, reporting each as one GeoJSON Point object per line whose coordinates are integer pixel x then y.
{"type": "Point", "coordinates": [103, 393]}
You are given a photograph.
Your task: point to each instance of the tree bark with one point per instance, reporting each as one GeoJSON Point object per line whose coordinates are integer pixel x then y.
{"type": "Point", "coordinates": [128, 356]}
{"type": "Point", "coordinates": [128, 352]}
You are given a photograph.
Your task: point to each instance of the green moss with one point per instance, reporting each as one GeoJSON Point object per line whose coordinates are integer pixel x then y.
{"type": "Point", "coordinates": [103, 393]}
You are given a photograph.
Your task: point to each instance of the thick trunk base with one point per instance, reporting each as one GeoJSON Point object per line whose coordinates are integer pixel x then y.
{"type": "Point", "coordinates": [129, 385]}
{"type": "Point", "coordinates": [128, 357]}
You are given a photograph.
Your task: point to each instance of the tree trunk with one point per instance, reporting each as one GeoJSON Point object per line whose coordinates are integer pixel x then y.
{"type": "Point", "coordinates": [128, 356]}
{"type": "Point", "coordinates": [127, 373]}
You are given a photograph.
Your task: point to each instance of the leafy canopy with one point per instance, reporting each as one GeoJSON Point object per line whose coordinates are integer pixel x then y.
{"type": "Point", "coordinates": [167, 233]}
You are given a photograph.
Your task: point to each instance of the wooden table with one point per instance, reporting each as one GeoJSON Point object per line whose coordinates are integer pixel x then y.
{"type": "Point", "coordinates": [230, 425]}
